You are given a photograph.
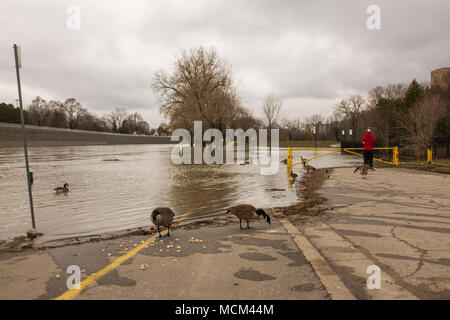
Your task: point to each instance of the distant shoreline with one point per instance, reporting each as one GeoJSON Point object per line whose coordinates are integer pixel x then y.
{"type": "Point", "coordinates": [11, 136]}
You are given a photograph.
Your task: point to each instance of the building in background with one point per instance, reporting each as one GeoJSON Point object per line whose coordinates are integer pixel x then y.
{"type": "Point", "coordinates": [440, 77]}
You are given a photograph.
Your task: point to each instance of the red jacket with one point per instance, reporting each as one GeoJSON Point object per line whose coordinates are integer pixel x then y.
{"type": "Point", "coordinates": [368, 141]}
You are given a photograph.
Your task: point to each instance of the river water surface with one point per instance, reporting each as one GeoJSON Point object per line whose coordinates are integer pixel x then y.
{"type": "Point", "coordinates": [114, 188]}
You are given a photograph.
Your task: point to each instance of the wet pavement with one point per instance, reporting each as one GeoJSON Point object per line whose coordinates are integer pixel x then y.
{"type": "Point", "coordinates": [215, 262]}
{"type": "Point", "coordinates": [397, 219]}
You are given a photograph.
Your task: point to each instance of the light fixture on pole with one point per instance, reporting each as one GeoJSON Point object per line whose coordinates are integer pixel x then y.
{"type": "Point", "coordinates": [315, 141]}
{"type": "Point", "coordinates": [18, 59]}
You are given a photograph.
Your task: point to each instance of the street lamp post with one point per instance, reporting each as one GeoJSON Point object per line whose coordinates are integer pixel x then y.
{"type": "Point", "coordinates": [17, 56]}
{"type": "Point", "coordinates": [315, 141]}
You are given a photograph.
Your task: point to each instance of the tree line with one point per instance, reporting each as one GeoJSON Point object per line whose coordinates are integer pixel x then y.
{"type": "Point", "coordinates": [201, 87]}
{"type": "Point", "coordinates": [70, 114]}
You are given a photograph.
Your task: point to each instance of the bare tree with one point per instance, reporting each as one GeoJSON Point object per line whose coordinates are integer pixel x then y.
{"type": "Point", "coordinates": [116, 118]}
{"type": "Point", "coordinates": [200, 88]}
{"type": "Point", "coordinates": [74, 112]}
{"type": "Point", "coordinates": [272, 111]}
{"type": "Point", "coordinates": [419, 122]}
{"type": "Point", "coordinates": [58, 114]}
{"type": "Point", "coordinates": [292, 127]}
{"type": "Point", "coordinates": [351, 109]}
{"type": "Point", "coordinates": [391, 91]}
{"type": "Point", "coordinates": [134, 123]}
{"type": "Point", "coordinates": [243, 119]}
{"type": "Point", "coordinates": [39, 112]}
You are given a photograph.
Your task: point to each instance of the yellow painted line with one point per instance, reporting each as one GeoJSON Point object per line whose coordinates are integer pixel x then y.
{"type": "Point", "coordinates": [72, 293]}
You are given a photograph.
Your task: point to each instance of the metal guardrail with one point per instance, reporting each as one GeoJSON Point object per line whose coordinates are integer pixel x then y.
{"type": "Point", "coordinates": [290, 164]}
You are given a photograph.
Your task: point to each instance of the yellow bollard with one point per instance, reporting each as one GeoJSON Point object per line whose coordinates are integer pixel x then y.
{"type": "Point", "coordinates": [429, 156]}
{"type": "Point", "coordinates": [395, 156]}
{"type": "Point", "coordinates": [289, 158]}
{"type": "Point", "coordinates": [289, 178]}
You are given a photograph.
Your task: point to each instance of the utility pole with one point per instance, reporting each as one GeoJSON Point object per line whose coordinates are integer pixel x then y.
{"type": "Point", "coordinates": [315, 141]}
{"type": "Point", "coordinates": [17, 56]}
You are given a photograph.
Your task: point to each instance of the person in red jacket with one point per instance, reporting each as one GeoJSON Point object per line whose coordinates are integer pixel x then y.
{"type": "Point", "coordinates": [368, 142]}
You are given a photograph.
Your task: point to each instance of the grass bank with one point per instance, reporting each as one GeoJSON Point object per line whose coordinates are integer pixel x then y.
{"type": "Point", "coordinates": [440, 166]}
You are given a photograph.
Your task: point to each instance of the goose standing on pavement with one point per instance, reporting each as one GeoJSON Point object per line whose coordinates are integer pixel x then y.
{"type": "Point", "coordinates": [248, 212]}
{"type": "Point", "coordinates": [307, 167]}
{"type": "Point", "coordinates": [364, 169]}
{"type": "Point", "coordinates": [327, 174]}
{"type": "Point", "coordinates": [162, 217]}
{"type": "Point", "coordinates": [64, 189]}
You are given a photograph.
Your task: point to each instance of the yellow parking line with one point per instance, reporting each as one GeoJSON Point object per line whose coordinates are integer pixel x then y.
{"type": "Point", "coordinates": [72, 293]}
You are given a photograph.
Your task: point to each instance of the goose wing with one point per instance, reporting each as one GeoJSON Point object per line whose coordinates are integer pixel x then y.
{"type": "Point", "coordinates": [164, 216]}
{"type": "Point", "coordinates": [243, 211]}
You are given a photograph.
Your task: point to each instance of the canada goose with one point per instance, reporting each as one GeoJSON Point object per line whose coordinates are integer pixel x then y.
{"type": "Point", "coordinates": [284, 161]}
{"type": "Point", "coordinates": [293, 175]}
{"type": "Point", "coordinates": [63, 189]}
{"type": "Point", "coordinates": [307, 167]}
{"type": "Point", "coordinates": [162, 217]}
{"type": "Point", "coordinates": [364, 169]}
{"type": "Point", "coordinates": [327, 175]}
{"type": "Point", "coordinates": [248, 212]}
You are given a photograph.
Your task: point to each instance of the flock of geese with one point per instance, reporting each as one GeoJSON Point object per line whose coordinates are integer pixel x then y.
{"type": "Point", "coordinates": [163, 216]}
{"type": "Point", "coordinates": [363, 169]}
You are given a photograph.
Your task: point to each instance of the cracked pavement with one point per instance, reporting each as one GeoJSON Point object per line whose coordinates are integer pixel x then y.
{"type": "Point", "coordinates": [399, 219]}
{"type": "Point", "coordinates": [260, 263]}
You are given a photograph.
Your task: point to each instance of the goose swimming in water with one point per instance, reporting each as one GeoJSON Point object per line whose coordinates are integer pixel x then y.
{"type": "Point", "coordinates": [248, 212]}
{"type": "Point", "coordinates": [162, 217]}
{"type": "Point", "coordinates": [364, 169]}
{"type": "Point", "coordinates": [64, 189]}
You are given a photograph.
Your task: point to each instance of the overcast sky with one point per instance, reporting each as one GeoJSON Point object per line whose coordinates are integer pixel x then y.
{"type": "Point", "coordinates": [309, 53]}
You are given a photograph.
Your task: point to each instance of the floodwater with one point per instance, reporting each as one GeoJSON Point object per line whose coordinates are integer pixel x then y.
{"type": "Point", "coordinates": [115, 188]}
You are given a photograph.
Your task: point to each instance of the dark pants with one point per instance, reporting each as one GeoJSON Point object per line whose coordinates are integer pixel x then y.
{"type": "Point", "coordinates": [368, 157]}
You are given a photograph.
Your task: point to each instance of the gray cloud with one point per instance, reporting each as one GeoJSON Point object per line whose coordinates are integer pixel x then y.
{"type": "Point", "coordinates": [311, 53]}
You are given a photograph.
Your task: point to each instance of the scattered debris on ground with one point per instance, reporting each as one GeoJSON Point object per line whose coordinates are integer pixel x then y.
{"type": "Point", "coordinates": [311, 203]}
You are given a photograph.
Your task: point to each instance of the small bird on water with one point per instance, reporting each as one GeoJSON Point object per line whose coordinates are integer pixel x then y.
{"type": "Point", "coordinates": [248, 212]}
{"type": "Point", "coordinates": [364, 169]}
{"type": "Point", "coordinates": [162, 217]}
{"type": "Point", "coordinates": [64, 189]}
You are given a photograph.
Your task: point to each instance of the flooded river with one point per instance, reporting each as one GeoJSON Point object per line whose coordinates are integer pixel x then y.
{"type": "Point", "coordinates": [114, 188]}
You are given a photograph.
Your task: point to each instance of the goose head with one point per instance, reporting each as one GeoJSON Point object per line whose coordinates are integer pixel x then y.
{"type": "Point", "coordinates": [155, 213]}
{"type": "Point", "coordinates": [261, 212]}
